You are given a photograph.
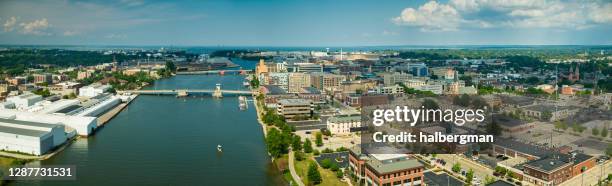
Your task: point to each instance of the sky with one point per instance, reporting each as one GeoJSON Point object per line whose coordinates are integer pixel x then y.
{"type": "Point", "coordinates": [306, 22]}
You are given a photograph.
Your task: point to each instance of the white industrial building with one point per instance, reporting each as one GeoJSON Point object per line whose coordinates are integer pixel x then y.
{"type": "Point", "coordinates": [59, 105]}
{"type": "Point", "coordinates": [25, 100]}
{"type": "Point", "coordinates": [100, 107]}
{"type": "Point", "coordinates": [30, 137]}
{"type": "Point", "coordinates": [83, 125]}
{"type": "Point", "coordinates": [93, 90]}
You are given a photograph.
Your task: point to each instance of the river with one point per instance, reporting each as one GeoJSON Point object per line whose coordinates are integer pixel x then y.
{"type": "Point", "coordinates": [163, 140]}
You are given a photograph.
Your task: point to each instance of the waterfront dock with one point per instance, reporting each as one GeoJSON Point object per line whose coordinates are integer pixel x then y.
{"type": "Point", "coordinates": [104, 118]}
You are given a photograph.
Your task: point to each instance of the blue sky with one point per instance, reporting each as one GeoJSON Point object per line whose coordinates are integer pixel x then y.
{"type": "Point", "coordinates": [306, 23]}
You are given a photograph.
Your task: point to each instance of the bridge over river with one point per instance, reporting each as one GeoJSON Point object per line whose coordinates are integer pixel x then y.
{"type": "Point", "coordinates": [185, 92]}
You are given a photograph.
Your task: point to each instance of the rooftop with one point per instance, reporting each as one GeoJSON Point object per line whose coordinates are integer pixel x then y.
{"type": "Point", "coordinates": [22, 132]}
{"type": "Point", "coordinates": [28, 123]}
{"type": "Point", "coordinates": [344, 118]}
{"type": "Point", "coordinates": [389, 166]}
{"type": "Point", "coordinates": [294, 102]}
{"type": "Point", "coordinates": [547, 164]}
{"type": "Point", "coordinates": [274, 90]}
{"type": "Point", "coordinates": [521, 147]}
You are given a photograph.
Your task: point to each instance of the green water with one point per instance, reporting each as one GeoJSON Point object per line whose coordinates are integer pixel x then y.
{"type": "Point", "coordinates": [163, 140]}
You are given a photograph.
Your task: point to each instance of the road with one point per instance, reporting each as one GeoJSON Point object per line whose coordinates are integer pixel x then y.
{"type": "Point", "coordinates": [292, 169]}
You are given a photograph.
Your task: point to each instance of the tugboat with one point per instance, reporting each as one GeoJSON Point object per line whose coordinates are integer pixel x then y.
{"type": "Point", "coordinates": [219, 148]}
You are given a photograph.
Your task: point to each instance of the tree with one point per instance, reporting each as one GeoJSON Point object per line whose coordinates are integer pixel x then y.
{"type": "Point", "coordinates": [334, 167]}
{"type": "Point", "coordinates": [339, 174]}
{"type": "Point", "coordinates": [277, 142]}
{"type": "Point", "coordinates": [254, 81]}
{"type": "Point", "coordinates": [469, 176]}
{"type": "Point", "coordinates": [463, 100]}
{"type": "Point", "coordinates": [299, 155]}
{"type": "Point", "coordinates": [319, 139]}
{"type": "Point", "coordinates": [326, 163]}
{"type": "Point", "coordinates": [430, 104]}
{"type": "Point", "coordinates": [307, 146]}
{"type": "Point", "coordinates": [170, 66]}
{"type": "Point", "coordinates": [609, 150]}
{"type": "Point", "coordinates": [489, 180]}
{"type": "Point", "coordinates": [604, 132]}
{"type": "Point", "coordinates": [296, 144]}
{"type": "Point", "coordinates": [314, 176]}
{"type": "Point", "coordinates": [595, 131]}
{"type": "Point", "coordinates": [456, 167]}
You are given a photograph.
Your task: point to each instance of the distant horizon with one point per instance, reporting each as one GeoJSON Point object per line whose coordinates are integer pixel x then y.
{"type": "Point", "coordinates": [307, 46]}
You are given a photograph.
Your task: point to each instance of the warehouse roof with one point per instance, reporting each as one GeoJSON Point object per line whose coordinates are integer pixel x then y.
{"type": "Point", "coordinates": [521, 147]}
{"type": "Point", "coordinates": [22, 132]}
{"type": "Point", "coordinates": [28, 123]}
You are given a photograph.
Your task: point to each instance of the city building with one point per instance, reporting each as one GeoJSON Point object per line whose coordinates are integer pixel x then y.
{"type": "Point", "coordinates": [418, 69]}
{"type": "Point", "coordinates": [341, 125]}
{"type": "Point", "coordinates": [308, 67]}
{"type": "Point", "coordinates": [313, 94]}
{"type": "Point", "coordinates": [385, 169]}
{"type": "Point", "coordinates": [395, 78]}
{"type": "Point", "coordinates": [261, 67]}
{"type": "Point", "coordinates": [43, 78]}
{"type": "Point", "coordinates": [279, 79]}
{"type": "Point", "coordinates": [326, 81]}
{"type": "Point", "coordinates": [393, 89]}
{"type": "Point", "coordinates": [30, 137]}
{"type": "Point", "coordinates": [25, 100]}
{"type": "Point", "coordinates": [550, 112]}
{"type": "Point", "coordinates": [83, 75]}
{"type": "Point", "coordinates": [93, 90]}
{"type": "Point", "coordinates": [297, 81]}
{"type": "Point", "coordinates": [290, 108]}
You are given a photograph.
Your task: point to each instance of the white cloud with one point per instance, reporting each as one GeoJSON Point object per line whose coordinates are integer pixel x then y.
{"type": "Point", "coordinates": [432, 16]}
{"type": "Point", "coordinates": [10, 23]}
{"type": "Point", "coordinates": [457, 14]}
{"type": "Point", "coordinates": [36, 27]}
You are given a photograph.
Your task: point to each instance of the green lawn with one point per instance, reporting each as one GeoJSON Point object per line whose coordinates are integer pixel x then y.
{"type": "Point", "coordinates": [328, 176]}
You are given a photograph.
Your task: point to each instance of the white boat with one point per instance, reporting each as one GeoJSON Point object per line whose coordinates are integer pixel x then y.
{"type": "Point", "coordinates": [219, 148]}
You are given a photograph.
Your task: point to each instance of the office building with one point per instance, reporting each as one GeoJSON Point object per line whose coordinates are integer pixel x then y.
{"type": "Point", "coordinates": [341, 125]}
{"type": "Point", "coordinates": [385, 169]}
{"type": "Point", "coordinates": [297, 81]}
{"type": "Point", "coordinates": [290, 108]}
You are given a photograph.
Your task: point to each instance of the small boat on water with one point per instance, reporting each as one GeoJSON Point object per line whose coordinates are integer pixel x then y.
{"type": "Point", "coordinates": [219, 149]}
{"type": "Point", "coordinates": [246, 83]}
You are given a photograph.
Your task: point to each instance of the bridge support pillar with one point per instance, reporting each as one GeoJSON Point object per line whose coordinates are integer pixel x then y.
{"type": "Point", "coordinates": [217, 93]}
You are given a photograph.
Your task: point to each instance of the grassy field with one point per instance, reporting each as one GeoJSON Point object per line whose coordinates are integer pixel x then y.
{"type": "Point", "coordinates": [328, 176]}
